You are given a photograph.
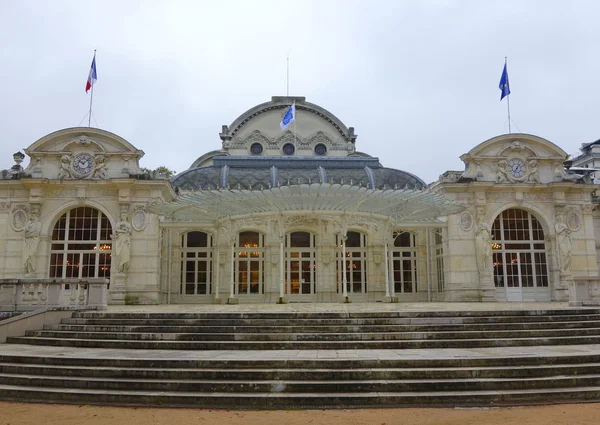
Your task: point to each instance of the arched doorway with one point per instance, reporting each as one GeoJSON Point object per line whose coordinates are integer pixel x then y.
{"type": "Point", "coordinates": [300, 265]}
{"type": "Point", "coordinates": [196, 264]}
{"type": "Point", "coordinates": [519, 257]}
{"type": "Point", "coordinates": [81, 245]}
{"type": "Point", "coordinates": [356, 263]}
{"type": "Point", "coordinates": [250, 264]}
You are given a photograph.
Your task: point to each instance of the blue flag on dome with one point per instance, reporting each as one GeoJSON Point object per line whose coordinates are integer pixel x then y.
{"type": "Point", "coordinates": [504, 86]}
{"type": "Point", "coordinates": [289, 117]}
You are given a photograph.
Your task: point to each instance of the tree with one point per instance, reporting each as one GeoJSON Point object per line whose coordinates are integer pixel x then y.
{"type": "Point", "coordinates": [159, 172]}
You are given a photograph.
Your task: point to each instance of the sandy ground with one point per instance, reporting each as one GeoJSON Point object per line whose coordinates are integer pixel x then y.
{"type": "Point", "coordinates": [53, 414]}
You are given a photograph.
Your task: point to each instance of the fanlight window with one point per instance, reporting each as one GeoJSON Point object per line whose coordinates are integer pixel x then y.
{"type": "Point", "coordinates": [81, 245]}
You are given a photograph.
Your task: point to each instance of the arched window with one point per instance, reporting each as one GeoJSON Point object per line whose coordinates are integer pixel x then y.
{"type": "Point", "coordinates": [196, 263]}
{"type": "Point", "coordinates": [81, 245]}
{"type": "Point", "coordinates": [519, 255]}
{"type": "Point", "coordinates": [404, 262]}
{"type": "Point", "coordinates": [356, 263]}
{"type": "Point", "coordinates": [250, 263]}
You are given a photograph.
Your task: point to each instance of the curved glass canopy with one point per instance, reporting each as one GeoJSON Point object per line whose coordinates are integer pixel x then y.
{"type": "Point", "coordinates": [400, 205]}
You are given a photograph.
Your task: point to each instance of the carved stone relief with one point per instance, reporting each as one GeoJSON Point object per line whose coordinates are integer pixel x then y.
{"type": "Point", "coordinates": [529, 175]}
{"type": "Point", "coordinates": [573, 221]}
{"type": "Point", "coordinates": [466, 221]}
{"type": "Point", "coordinates": [538, 196]}
{"type": "Point", "coordinates": [4, 207]}
{"type": "Point", "coordinates": [501, 196]}
{"type": "Point", "coordinates": [139, 218]}
{"type": "Point", "coordinates": [19, 218]}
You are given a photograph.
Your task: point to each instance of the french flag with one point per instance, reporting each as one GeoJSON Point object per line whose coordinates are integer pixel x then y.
{"type": "Point", "coordinates": [92, 77]}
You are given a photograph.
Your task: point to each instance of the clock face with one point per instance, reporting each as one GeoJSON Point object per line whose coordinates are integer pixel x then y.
{"type": "Point", "coordinates": [83, 163]}
{"type": "Point", "coordinates": [517, 167]}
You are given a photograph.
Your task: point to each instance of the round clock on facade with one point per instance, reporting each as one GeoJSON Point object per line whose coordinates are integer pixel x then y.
{"type": "Point", "coordinates": [517, 167]}
{"type": "Point", "coordinates": [83, 163]}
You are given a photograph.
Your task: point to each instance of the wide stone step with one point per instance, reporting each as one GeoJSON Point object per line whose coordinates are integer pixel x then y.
{"type": "Point", "coordinates": [272, 400]}
{"type": "Point", "coordinates": [303, 344]}
{"type": "Point", "coordinates": [339, 315]}
{"type": "Point", "coordinates": [312, 336]}
{"type": "Point", "coordinates": [303, 386]}
{"type": "Point", "coordinates": [321, 329]}
{"type": "Point", "coordinates": [290, 374]}
{"type": "Point", "coordinates": [215, 319]}
{"type": "Point", "coordinates": [274, 360]}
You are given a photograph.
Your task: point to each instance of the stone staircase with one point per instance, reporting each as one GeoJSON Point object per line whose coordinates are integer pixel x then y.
{"type": "Point", "coordinates": [310, 359]}
{"type": "Point", "coordinates": [321, 331]}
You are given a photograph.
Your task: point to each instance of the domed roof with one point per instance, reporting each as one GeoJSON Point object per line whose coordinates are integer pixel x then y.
{"type": "Point", "coordinates": [257, 154]}
{"type": "Point", "coordinates": [258, 173]}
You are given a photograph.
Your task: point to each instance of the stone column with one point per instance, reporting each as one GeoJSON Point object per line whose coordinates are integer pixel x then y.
{"type": "Point", "coordinates": [217, 263]}
{"type": "Point", "coordinates": [232, 299]}
{"type": "Point", "coordinates": [281, 299]}
{"type": "Point", "coordinates": [345, 297]}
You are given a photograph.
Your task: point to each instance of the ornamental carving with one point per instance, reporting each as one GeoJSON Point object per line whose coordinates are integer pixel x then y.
{"type": "Point", "coordinates": [19, 218]}
{"type": "Point", "coordinates": [320, 137]}
{"type": "Point", "coordinates": [501, 196]}
{"type": "Point", "coordinates": [65, 167]}
{"type": "Point", "coordinates": [466, 221]}
{"type": "Point", "coordinates": [573, 221]}
{"type": "Point", "coordinates": [139, 217]}
{"type": "Point", "coordinates": [515, 170]}
{"type": "Point", "coordinates": [287, 137]}
{"type": "Point", "coordinates": [4, 207]}
{"type": "Point", "coordinates": [257, 137]}
{"type": "Point", "coordinates": [538, 196]}
{"type": "Point", "coordinates": [516, 145]}
{"type": "Point", "coordinates": [103, 192]}
{"type": "Point", "coordinates": [62, 193]}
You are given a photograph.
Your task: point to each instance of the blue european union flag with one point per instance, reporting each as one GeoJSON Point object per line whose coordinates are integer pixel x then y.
{"type": "Point", "coordinates": [504, 85]}
{"type": "Point", "coordinates": [289, 117]}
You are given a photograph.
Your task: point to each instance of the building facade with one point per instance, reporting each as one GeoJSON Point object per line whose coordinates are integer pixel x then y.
{"type": "Point", "coordinates": [300, 215]}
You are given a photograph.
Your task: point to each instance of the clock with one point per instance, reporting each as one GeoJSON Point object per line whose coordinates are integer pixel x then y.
{"type": "Point", "coordinates": [83, 164]}
{"type": "Point", "coordinates": [516, 167]}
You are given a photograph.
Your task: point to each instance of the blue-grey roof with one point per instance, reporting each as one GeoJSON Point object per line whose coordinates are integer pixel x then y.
{"type": "Point", "coordinates": [250, 172]}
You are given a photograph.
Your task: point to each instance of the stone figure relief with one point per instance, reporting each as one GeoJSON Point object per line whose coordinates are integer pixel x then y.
{"type": "Point", "coordinates": [65, 168]}
{"type": "Point", "coordinates": [502, 172]}
{"type": "Point", "coordinates": [123, 243]}
{"type": "Point", "coordinates": [31, 240]}
{"type": "Point", "coordinates": [100, 168]}
{"type": "Point", "coordinates": [563, 241]}
{"type": "Point", "coordinates": [483, 244]}
{"type": "Point", "coordinates": [532, 175]}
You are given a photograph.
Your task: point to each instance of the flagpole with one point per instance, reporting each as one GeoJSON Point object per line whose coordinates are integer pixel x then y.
{"type": "Point", "coordinates": [91, 96]}
{"type": "Point", "coordinates": [507, 96]}
{"type": "Point", "coordinates": [294, 124]}
{"type": "Point", "coordinates": [288, 75]}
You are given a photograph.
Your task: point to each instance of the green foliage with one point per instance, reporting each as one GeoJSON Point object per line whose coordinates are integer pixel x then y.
{"type": "Point", "coordinates": [160, 171]}
{"type": "Point", "coordinates": [131, 300]}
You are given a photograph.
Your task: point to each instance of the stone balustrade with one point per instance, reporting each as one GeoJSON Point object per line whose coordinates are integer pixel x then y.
{"type": "Point", "coordinates": [31, 294]}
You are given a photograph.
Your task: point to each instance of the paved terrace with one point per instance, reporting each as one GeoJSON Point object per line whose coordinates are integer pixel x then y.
{"type": "Point", "coordinates": [349, 354]}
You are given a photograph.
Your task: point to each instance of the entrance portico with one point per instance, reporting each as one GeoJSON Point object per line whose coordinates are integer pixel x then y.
{"type": "Point", "coordinates": [308, 243]}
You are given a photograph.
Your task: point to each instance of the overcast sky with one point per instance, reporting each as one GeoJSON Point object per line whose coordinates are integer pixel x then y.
{"type": "Point", "coordinates": [417, 79]}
